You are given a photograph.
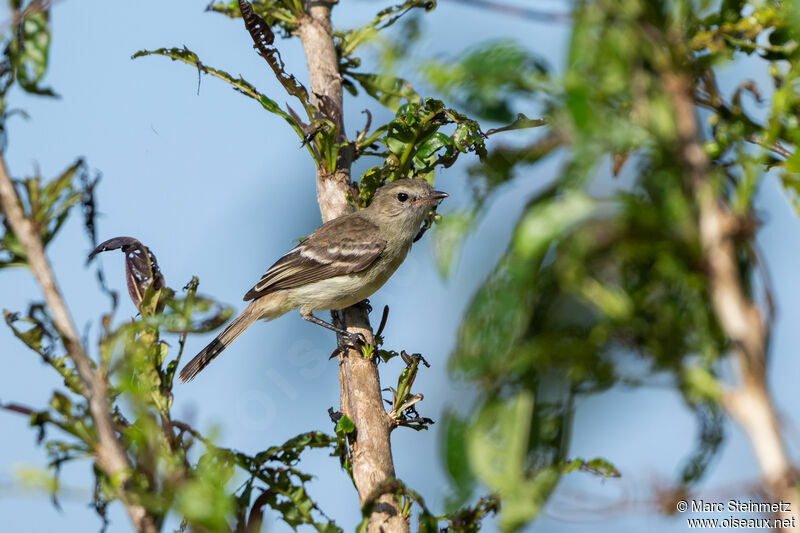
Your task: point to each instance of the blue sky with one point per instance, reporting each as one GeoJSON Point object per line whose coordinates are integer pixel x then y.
{"type": "Point", "coordinates": [219, 189]}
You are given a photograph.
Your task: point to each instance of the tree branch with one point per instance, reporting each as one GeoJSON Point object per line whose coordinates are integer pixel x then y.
{"type": "Point", "coordinates": [776, 147]}
{"type": "Point", "coordinates": [359, 383]}
{"type": "Point", "coordinates": [748, 403]}
{"type": "Point", "coordinates": [109, 454]}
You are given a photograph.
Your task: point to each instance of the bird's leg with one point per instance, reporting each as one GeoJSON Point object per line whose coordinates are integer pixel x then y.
{"type": "Point", "coordinates": [353, 338]}
{"type": "Point", "coordinates": [337, 319]}
{"type": "Point", "coordinates": [347, 339]}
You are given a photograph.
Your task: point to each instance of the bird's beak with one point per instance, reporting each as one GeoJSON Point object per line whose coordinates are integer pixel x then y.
{"type": "Point", "coordinates": [435, 196]}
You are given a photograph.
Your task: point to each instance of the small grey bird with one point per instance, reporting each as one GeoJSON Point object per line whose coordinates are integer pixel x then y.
{"type": "Point", "coordinates": [341, 263]}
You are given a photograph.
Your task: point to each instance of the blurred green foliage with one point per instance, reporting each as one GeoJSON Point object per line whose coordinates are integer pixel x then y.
{"type": "Point", "coordinates": [488, 79]}
{"type": "Point", "coordinates": [587, 282]}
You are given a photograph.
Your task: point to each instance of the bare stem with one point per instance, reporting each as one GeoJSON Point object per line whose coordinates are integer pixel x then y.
{"type": "Point", "coordinates": [359, 383]}
{"type": "Point", "coordinates": [109, 454]}
{"type": "Point", "coordinates": [749, 403]}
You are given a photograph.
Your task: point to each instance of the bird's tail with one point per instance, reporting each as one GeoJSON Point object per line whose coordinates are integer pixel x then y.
{"type": "Point", "coordinates": [223, 340]}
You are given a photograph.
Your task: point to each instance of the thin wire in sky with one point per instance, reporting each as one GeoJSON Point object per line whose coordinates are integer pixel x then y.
{"type": "Point", "coordinates": [516, 10]}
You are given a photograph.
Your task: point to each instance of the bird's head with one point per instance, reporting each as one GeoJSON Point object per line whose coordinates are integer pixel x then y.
{"type": "Point", "coordinates": [403, 205]}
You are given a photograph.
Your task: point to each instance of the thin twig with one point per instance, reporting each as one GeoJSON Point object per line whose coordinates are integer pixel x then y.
{"type": "Point", "coordinates": [17, 408]}
{"type": "Point", "coordinates": [776, 147]}
{"type": "Point", "coordinates": [522, 122]}
{"type": "Point", "coordinates": [516, 11]}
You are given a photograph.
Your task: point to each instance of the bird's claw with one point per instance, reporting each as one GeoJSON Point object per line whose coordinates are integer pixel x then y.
{"type": "Point", "coordinates": [352, 340]}
{"type": "Point", "coordinates": [365, 305]}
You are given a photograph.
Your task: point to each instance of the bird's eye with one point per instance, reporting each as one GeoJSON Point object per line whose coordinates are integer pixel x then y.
{"type": "Point", "coordinates": [402, 196]}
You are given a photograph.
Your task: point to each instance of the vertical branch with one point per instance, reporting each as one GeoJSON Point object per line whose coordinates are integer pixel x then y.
{"type": "Point", "coordinates": [740, 318]}
{"type": "Point", "coordinates": [359, 384]}
{"type": "Point", "coordinates": [109, 454]}
{"type": "Point", "coordinates": [325, 85]}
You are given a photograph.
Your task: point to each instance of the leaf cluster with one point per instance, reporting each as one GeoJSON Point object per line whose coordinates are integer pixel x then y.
{"type": "Point", "coordinates": [414, 145]}
{"type": "Point", "coordinates": [46, 204]}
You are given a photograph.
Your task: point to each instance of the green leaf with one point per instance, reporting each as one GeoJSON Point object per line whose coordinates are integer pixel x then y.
{"type": "Point", "coordinates": [42, 338]}
{"type": "Point", "coordinates": [611, 300]}
{"type": "Point", "coordinates": [204, 500]}
{"type": "Point", "coordinates": [454, 452]}
{"type": "Point", "coordinates": [700, 386]}
{"type": "Point", "coordinates": [486, 79]}
{"type": "Point", "coordinates": [387, 355]}
{"type": "Point", "coordinates": [345, 425]}
{"type": "Point", "coordinates": [289, 452]}
{"type": "Point", "coordinates": [388, 90]}
{"type": "Point", "coordinates": [791, 181]}
{"type": "Point", "coordinates": [497, 447]}
{"type": "Point", "coordinates": [31, 337]}
{"type": "Point", "coordinates": [498, 441]}
{"type": "Point", "coordinates": [61, 404]}
{"type": "Point", "coordinates": [524, 503]}
{"type": "Point", "coordinates": [546, 220]}
{"type": "Point", "coordinates": [426, 155]}
{"type": "Point", "coordinates": [520, 123]}
{"type": "Point", "coordinates": [495, 321]}
{"type": "Point", "coordinates": [29, 51]}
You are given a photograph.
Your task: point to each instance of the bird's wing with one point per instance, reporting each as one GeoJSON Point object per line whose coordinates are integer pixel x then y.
{"type": "Point", "coordinates": [341, 246]}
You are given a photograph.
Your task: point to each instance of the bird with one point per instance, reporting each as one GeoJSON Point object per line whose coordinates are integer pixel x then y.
{"type": "Point", "coordinates": [341, 263]}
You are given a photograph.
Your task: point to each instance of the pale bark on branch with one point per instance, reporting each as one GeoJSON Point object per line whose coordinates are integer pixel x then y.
{"type": "Point", "coordinates": [359, 384]}
{"type": "Point", "coordinates": [748, 403]}
{"type": "Point", "coordinates": [109, 454]}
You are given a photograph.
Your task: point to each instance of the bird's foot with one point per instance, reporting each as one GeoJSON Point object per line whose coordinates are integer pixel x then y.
{"type": "Point", "coordinates": [365, 305]}
{"type": "Point", "coordinates": [348, 341]}
{"type": "Point", "coordinates": [352, 340]}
